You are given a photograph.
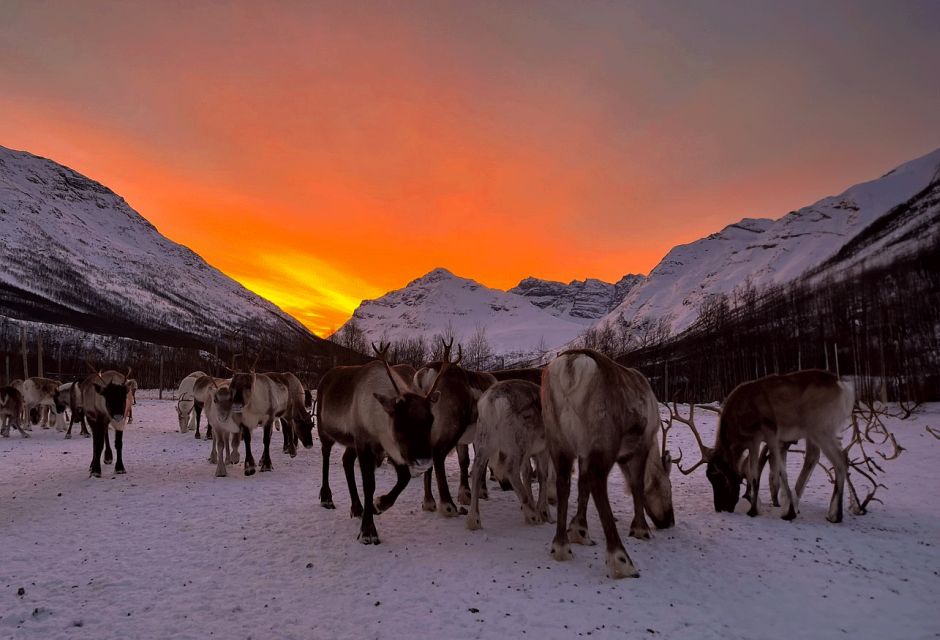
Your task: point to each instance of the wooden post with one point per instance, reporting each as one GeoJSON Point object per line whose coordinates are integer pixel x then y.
{"type": "Point", "coordinates": [826, 352]}
{"type": "Point", "coordinates": [23, 349]}
{"type": "Point", "coordinates": [59, 360]}
{"type": "Point", "coordinates": [39, 371]}
{"type": "Point", "coordinates": [835, 354]}
{"type": "Point", "coordinates": [161, 375]}
{"type": "Point", "coordinates": [666, 383]}
{"type": "Point", "coordinates": [8, 379]}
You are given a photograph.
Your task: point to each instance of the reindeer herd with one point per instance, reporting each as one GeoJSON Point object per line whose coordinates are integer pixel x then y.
{"type": "Point", "coordinates": [526, 426]}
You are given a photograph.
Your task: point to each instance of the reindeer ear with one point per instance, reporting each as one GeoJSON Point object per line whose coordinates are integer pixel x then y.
{"type": "Point", "coordinates": [388, 403]}
{"type": "Point", "coordinates": [434, 397]}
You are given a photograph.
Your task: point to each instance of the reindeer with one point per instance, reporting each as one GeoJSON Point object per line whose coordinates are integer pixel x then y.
{"type": "Point", "coordinates": [105, 399]}
{"type": "Point", "coordinates": [226, 431]}
{"type": "Point", "coordinates": [454, 417]}
{"type": "Point", "coordinates": [602, 413]}
{"type": "Point", "coordinates": [258, 400]}
{"type": "Point", "coordinates": [185, 403]}
{"type": "Point", "coordinates": [200, 392]}
{"type": "Point", "coordinates": [11, 411]}
{"type": "Point", "coordinates": [132, 388]}
{"type": "Point", "coordinates": [39, 399]}
{"type": "Point", "coordinates": [297, 422]}
{"type": "Point", "coordinates": [811, 405]}
{"type": "Point", "coordinates": [509, 434]}
{"type": "Point", "coordinates": [373, 412]}
{"type": "Point", "coordinates": [69, 397]}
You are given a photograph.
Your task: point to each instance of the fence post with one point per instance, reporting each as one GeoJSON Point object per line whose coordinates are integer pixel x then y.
{"type": "Point", "coordinates": [23, 349]}
{"type": "Point", "coordinates": [39, 354]}
{"type": "Point", "coordinates": [161, 375]}
{"type": "Point", "coordinates": [8, 379]}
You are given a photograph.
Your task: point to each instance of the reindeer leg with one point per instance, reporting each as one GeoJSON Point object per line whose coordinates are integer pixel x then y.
{"type": "Point", "coordinates": [446, 506]}
{"type": "Point", "coordinates": [542, 464]}
{"type": "Point", "coordinates": [97, 436]}
{"type": "Point", "coordinates": [84, 432]}
{"type": "Point", "coordinates": [561, 550]}
{"type": "Point", "coordinates": [779, 462]}
{"type": "Point", "coordinates": [578, 528]}
{"type": "Point", "coordinates": [619, 564]}
{"type": "Point", "coordinates": [349, 466]}
{"type": "Point", "coordinates": [198, 411]}
{"type": "Point", "coordinates": [429, 504]}
{"type": "Point", "coordinates": [108, 456]}
{"type": "Point", "coordinates": [249, 459]}
{"type": "Point", "coordinates": [837, 458]}
{"type": "Point", "coordinates": [266, 454]}
{"type": "Point", "coordinates": [68, 433]}
{"type": "Point", "coordinates": [367, 532]}
{"type": "Point", "coordinates": [208, 429]}
{"type": "Point", "coordinates": [236, 440]}
{"type": "Point", "coordinates": [384, 503]}
{"type": "Point", "coordinates": [219, 440]}
{"type": "Point", "coordinates": [463, 460]}
{"type": "Point", "coordinates": [118, 447]}
{"type": "Point", "coordinates": [480, 459]}
{"type": "Point", "coordinates": [753, 476]}
{"type": "Point", "coordinates": [523, 491]}
{"type": "Point", "coordinates": [809, 464]}
{"type": "Point", "coordinates": [326, 494]}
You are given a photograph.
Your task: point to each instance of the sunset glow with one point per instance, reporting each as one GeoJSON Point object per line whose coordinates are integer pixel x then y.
{"type": "Point", "coordinates": [321, 155]}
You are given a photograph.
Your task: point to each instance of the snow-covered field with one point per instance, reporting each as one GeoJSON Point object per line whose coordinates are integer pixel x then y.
{"type": "Point", "coordinates": [168, 550]}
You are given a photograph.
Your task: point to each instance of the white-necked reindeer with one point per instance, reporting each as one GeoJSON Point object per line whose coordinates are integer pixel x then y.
{"type": "Point", "coordinates": [226, 430]}
{"type": "Point", "coordinates": [186, 401]}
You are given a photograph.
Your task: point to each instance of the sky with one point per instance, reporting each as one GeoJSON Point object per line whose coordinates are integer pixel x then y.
{"type": "Point", "coordinates": [325, 153]}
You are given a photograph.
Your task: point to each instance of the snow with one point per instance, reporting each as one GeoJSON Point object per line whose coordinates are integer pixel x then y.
{"type": "Point", "coordinates": [168, 550]}
{"type": "Point", "coordinates": [62, 229]}
{"type": "Point", "coordinates": [767, 252]}
{"type": "Point", "coordinates": [582, 301]}
{"type": "Point", "coordinates": [439, 300]}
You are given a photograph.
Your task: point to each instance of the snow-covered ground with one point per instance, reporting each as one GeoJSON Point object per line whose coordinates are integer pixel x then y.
{"type": "Point", "coordinates": [168, 550]}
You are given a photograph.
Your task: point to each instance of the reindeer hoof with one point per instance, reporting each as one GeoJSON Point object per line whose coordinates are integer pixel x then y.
{"type": "Point", "coordinates": [235, 459]}
{"type": "Point", "coordinates": [86, 435]}
{"type": "Point", "coordinates": [198, 436]}
{"type": "Point", "coordinates": [94, 474]}
{"type": "Point", "coordinates": [619, 565]}
{"type": "Point", "coordinates": [789, 515]}
{"type": "Point", "coordinates": [447, 509]}
{"type": "Point", "coordinates": [546, 516]}
{"type": "Point", "coordinates": [429, 505]}
{"type": "Point", "coordinates": [579, 535]}
{"type": "Point", "coordinates": [327, 504]}
{"type": "Point", "coordinates": [355, 511]}
{"type": "Point", "coordinates": [68, 436]}
{"type": "Point", "coordinates": [473, 522]}
{"type": "Point", "coordinates": [382, 504]}
{"type": "Point", "coordinates": [463, 496]}
{"type": "Point", "coordinates": [373, 539]}
{"type": "Point", "coordinates": [484, 493]}
{"type": "Point", "coordinates": [266, 467]}
{"type": "Point", "coordinates": [561, 552]}
{"type": "Point", "coordinates": [250, 471]}
{"type": "Point", "coordinates": [752, 512]}
{"type": "Point", "coordinates": [640, 533]}
{"type": "Point", "coordinates": [836, 519]}
{"type": "Point", "coordinates": [120, 471]}
{"type": "Point", "coordinates": [221, 473]}
{"type": "Point", "coordinates": [530, 516]}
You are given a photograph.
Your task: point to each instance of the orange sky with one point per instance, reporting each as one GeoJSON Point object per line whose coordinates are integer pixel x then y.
{"type": "Point", "coordinates": [322, 155]}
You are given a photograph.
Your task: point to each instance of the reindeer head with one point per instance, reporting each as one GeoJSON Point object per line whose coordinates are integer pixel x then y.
{"type": "Point", "coordinates": [114, 396]}
{"type": "Point", "coordinates": [241, 387]}
{"type": "Point", "coordinates": [659, 489]}
{"type": "Point", "coordinates": [221, 399]}
{"type": "Point", "coordinates": [411, 417]}
{"type": "Point", "coordinates": [725, 479]}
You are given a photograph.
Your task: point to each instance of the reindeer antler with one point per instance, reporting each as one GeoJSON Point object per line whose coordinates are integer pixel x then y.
{"type": "Point", "coordinates": [381, 351]}
{"type": "Point", "coordinates": [675, 416]}
{"type": "Point", "coordinates": [257, 357]}
{"type": "Point", "coordinates": [382, 354]}
{"type": "Point", "coordinates": [447, 349]}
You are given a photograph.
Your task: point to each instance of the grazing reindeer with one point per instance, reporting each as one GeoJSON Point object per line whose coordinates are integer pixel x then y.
{"type": "Point", "coordinates": [373, 411]}
{"type": "Point", "coordinates": [809, 405]}
{"type": "Point", "coordinates": [69, 396]}
{"type": "Point", "coordinates": [297, 422]}
{"type": "Point", "coordinates": [186, 402]}
{"type": "Point", "coordinates": [105, 401]}
{"type": "Point", "coordinates": [226, 430]}
{"type": "Point", "coordinates": [454, 417]}
{"type": "Point", "coordinates": [602, 413]}
{"type": "Point", "coordinates": [509, 434]}
{"type": "Point", "coordinates": [11, 411]}
{"type": "Point", "coordinates": [257, 400]}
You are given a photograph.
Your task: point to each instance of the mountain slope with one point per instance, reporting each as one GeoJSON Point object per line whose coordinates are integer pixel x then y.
{"type": "Point", "coordinates": [440, 301]}
{"type": "Point", "coordinates": [763, 252]}
{"type": "Point", "coordinates": [581, 301]}
{"type": "Point", "coordinates": [75, 253]}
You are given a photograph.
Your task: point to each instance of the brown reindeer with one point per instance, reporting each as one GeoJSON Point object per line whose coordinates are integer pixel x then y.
{"type": "Point", "coordinates": [809, 405]}
{"type": "Point", "coordinates": [373, 412]}
{"type": "Point", "coordinates": [602, 414]}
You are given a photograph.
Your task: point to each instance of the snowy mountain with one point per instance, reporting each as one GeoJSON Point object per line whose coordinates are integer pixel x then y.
{"type": "Point", "coordinates": [581, 301]}
{"type": "Point", "coordinates": [74, 253]}
{"type": "Point", "coordinates": [440, 301]}
{"type": "Point", "coordinates": [872, 220]}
